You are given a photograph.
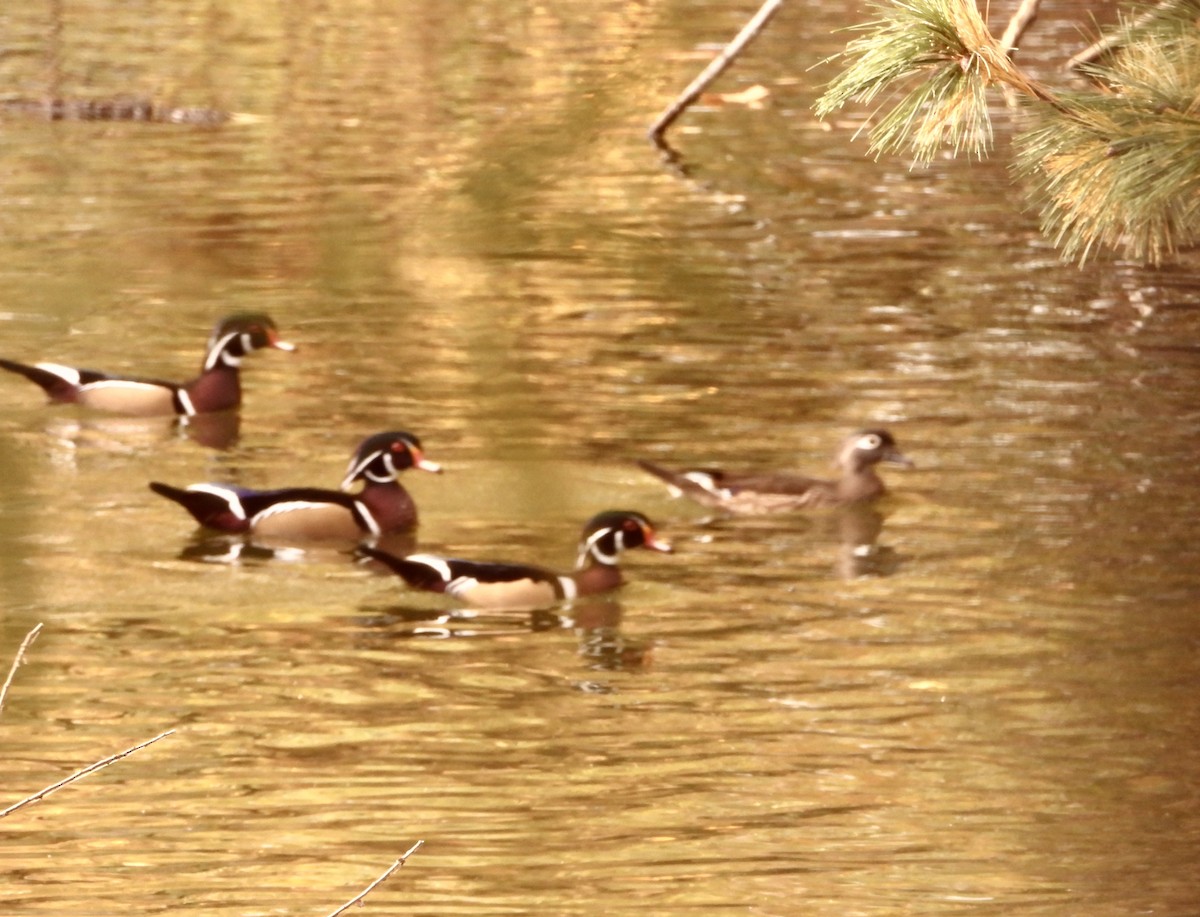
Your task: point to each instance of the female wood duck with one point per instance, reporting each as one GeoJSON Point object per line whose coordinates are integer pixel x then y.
{"type": "Point", "coordinates": [217, 388]}
{"type": "Point", "coordinates": [511, 586]}
{"type": "Point", "coordinates": [778, 492]}
{"type": "Point", "coordinates": [381, 507]}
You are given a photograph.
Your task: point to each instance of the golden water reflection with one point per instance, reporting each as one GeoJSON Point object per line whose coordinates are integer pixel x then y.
{"type": "Point", "coordinates": [989, 711]}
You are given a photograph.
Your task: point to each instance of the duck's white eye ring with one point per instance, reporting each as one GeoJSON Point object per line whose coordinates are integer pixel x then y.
{"type": "Point", "coordinates": [869, 442]}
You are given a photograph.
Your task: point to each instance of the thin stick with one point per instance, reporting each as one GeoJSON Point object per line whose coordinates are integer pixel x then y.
{"type": "Point", "coordinates": [712, 71]}
{"type": "Point", "coordinates": [25, 644]}
{"type": "Point", "coordinates": [83, 773]}
{"type": "Point", "coordinates": [1020, 21]}
{"type": "Point", "coordinates": [1117, 38]}
{"type": "Point", "coordinates": [357, 899]}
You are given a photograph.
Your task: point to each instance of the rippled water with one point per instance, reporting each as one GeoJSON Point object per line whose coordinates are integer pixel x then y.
{"type": "Point", "coordinates": [454, 213]}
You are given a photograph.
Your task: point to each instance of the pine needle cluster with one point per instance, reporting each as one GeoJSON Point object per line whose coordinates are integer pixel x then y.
{"type": "Point", "coordinates": [944, 51]}
{"type": "Point", "coordinates": [1121, 168]}
{"type": "Point", "coordinates": [1116, 167]}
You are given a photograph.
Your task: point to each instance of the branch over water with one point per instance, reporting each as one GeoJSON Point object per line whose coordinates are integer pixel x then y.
{"type": "Point", "coordinates": [91, 768]}
{"type": "Point", "coordinates": [25, 644]}
{"type": "Point", "coordinates": [358, 899]}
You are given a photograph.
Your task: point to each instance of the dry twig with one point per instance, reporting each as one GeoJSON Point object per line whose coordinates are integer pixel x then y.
{"type": "Point", "coordinates": [1020, 21]}
{"type": "Point", "coordinates": [25, 644]}
{"type": "Point", "coordinates": [83, 773]}
{"type": "Point", "coordinates": [712, 71]}
{"type": "Point", "coordinates": [357, 899]}
{"type": "Point", "coordinates": [1117, 38]}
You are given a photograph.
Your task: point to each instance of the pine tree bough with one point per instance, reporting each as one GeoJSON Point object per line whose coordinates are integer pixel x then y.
{"type": "Point", "coordinates": [1117, 167]}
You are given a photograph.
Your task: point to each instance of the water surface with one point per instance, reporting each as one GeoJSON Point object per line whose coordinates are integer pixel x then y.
{"type": "Point", "coordinates": [457, 218]}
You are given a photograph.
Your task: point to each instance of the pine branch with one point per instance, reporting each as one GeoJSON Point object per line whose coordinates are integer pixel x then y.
{"type": "Point", "coordinates": [1124, 171]}
{"type": "Point", "coordinates": [1164, 10]}
{"type": "Point", "coordinates": [946, 48]}
{"type": "Point", "coordinates": [1118, 167]}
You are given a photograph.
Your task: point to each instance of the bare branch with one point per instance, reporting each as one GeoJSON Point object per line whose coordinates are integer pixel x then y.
{"type": "Point", "coordinates": [357, 899]}
{"type": "Point", "coordinates": [1117, 38]}
{"type": "Point", "coordinates": [712, 71]}
{"type": "Point", "coordinates": [25, 644]}
{"type": "Point", "coordinates": [83, 773]}
{"type": "Point", "coordinates": [1020, 21]}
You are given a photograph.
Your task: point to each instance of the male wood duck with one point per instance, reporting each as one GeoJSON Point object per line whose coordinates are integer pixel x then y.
{"type": "Point", "coordinates": [217, 388]}
{"type": "Point", "coordinates": [380, 508]}
{"type": "Point", "coordinates": [778, 492]}
{"type": "Point", "coordinates": [511, 586]}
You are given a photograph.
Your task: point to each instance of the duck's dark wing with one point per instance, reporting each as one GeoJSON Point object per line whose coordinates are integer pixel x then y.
{"type": "Point", "coordinates": [769, 483]}
{"type": "Point", "coordinates": [258, 501]}
{"type": "Point", "coordinates": [434, 573]}
{"type": "Point", "coordinates": [211, 505]}
{"type": "Point", "coordinates": [690, 482]}
{"type": "Point", "coordinates": [478, 584]}
{"type": "Point", "coordinates": [59, 382]}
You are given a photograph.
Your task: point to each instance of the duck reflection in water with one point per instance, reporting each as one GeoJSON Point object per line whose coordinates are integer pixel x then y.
{"type": "Point", "coordinates": [851, 533]}
{"type": "Point", "coordinates": [217, 431]}
{"type": "Point", "coordinates": [402, 622]}
{"type": "Point", "coordinates": [72, 438]}
{"type": "Point", "coordinates": [859, 552]}
{"type": "Point", "coordinates": [595, 621]}
{"type": "Point", "coordinates": [218, 548]}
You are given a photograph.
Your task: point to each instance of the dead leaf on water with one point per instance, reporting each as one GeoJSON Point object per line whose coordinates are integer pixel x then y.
{"type": "Point", "coordinates": [751, 97]}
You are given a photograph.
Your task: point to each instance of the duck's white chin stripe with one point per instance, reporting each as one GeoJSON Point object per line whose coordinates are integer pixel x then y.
{"type": "Point", "coordinates": [217, 353]}
{"type": "Point", "coordinates": [355, 469]}
{"type": "Point", "coordinates": [591, 546]}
